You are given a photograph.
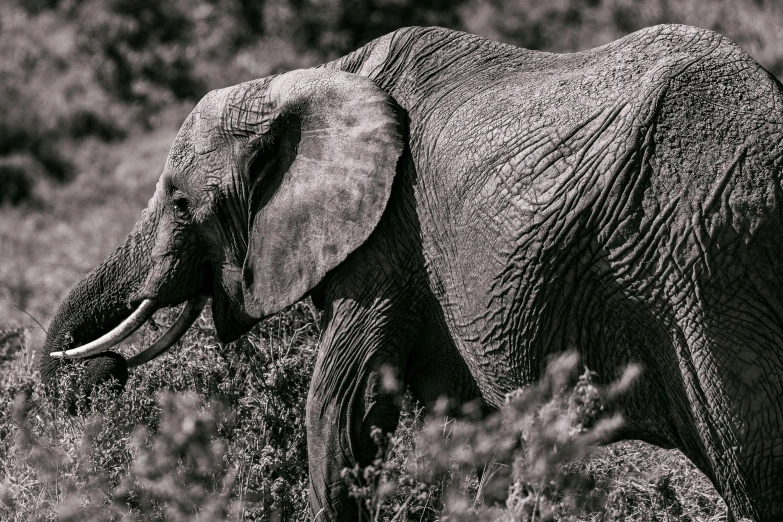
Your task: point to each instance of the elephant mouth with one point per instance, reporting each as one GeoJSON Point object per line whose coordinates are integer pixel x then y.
{"type": "Point", "coordinates": [132, 323]}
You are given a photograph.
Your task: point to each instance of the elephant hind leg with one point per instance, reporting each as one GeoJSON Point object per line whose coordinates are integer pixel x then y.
{"type": "Point", "coordinates": [736, 400]}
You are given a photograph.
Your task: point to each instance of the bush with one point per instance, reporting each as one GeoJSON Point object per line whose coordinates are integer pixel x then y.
{"type": "Point", "coordinates": [522, 456]}
{"type": "Point", "coordinates": [337, 27]}
{"type": "Point", "coordinates": [218, 432]}
{"type": "Point", "coordinates": [141, 48]}
{"type": "Point", "coordinates": [214, 431]}
{"type": "Point", "coordinates": [535, 460]}
{"type": "Point", "coordinates": [16, 183]}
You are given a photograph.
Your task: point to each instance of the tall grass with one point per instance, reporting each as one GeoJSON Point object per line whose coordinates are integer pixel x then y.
{"type": "Point", "coordinates": [209, 430]}
{"type": "Point", "coordinates": [212, 432]}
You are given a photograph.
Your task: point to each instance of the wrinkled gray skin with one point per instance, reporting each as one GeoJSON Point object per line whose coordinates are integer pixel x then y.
{"type": "Point", "coordinates": [446, 198]}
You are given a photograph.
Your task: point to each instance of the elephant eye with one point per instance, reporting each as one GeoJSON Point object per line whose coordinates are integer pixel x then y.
{"type": "Point", "coordinates": [181, 208]}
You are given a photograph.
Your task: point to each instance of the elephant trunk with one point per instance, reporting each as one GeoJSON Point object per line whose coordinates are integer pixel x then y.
{"type": "Point", "coordinates": [97, 304]}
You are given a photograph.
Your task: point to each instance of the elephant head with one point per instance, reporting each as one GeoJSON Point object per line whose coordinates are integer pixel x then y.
{"type": "Point", "coordinates": [269, 185]}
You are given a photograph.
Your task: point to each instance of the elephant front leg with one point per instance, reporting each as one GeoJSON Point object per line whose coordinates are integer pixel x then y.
{"type": "Point", "coordinates": [354, 388]}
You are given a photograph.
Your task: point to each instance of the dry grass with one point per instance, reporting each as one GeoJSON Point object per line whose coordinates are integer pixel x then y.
{"type": "Point", "coordinates": [215, 432]}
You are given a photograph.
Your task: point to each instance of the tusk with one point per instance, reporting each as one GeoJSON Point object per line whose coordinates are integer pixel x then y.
{"type": "Point", "coordinates": [121, 332]}
{"type": "Point", "coordinates": [186, 318]}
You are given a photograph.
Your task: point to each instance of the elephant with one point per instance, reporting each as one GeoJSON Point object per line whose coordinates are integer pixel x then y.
{"type": "Point", "coordinates": [461, 210]}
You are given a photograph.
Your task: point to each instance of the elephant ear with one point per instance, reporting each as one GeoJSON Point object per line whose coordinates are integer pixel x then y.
{"type": "Point", "coordinates": [329, 157]}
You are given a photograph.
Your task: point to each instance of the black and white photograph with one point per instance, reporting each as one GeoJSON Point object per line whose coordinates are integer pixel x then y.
{"type": "Point", "coordinates": [391, 260]}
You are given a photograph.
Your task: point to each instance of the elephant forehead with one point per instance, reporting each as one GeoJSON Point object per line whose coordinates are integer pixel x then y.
{"type": "Point", "coordinates": [182, 153]}
{"type": "Point", "coordinates": [202, 133]}
{"type": "Point", "coordinates": [190, 171]}
{"type": "Point", "coordinates": [208, 122]}
{"type": "Point", "coordinates": [222, 117]}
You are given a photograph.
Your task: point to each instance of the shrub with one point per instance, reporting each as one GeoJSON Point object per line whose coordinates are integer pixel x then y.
{"type": "Point", "coordinates": [522, 455]}
{"type": "Point", "coordinates": [213, 431]}
{"type": "Point", "coordinates": [217, 432]}
{"type": "Point", "coordinates": [16, 183]}
{"type": "Point", "coordinates": [142, 47]}
{"type": "Point", "coordinates": [336, 27]}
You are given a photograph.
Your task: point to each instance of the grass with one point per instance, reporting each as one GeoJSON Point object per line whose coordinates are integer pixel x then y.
{"type": "Point", "coordinates": [211, 432]}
